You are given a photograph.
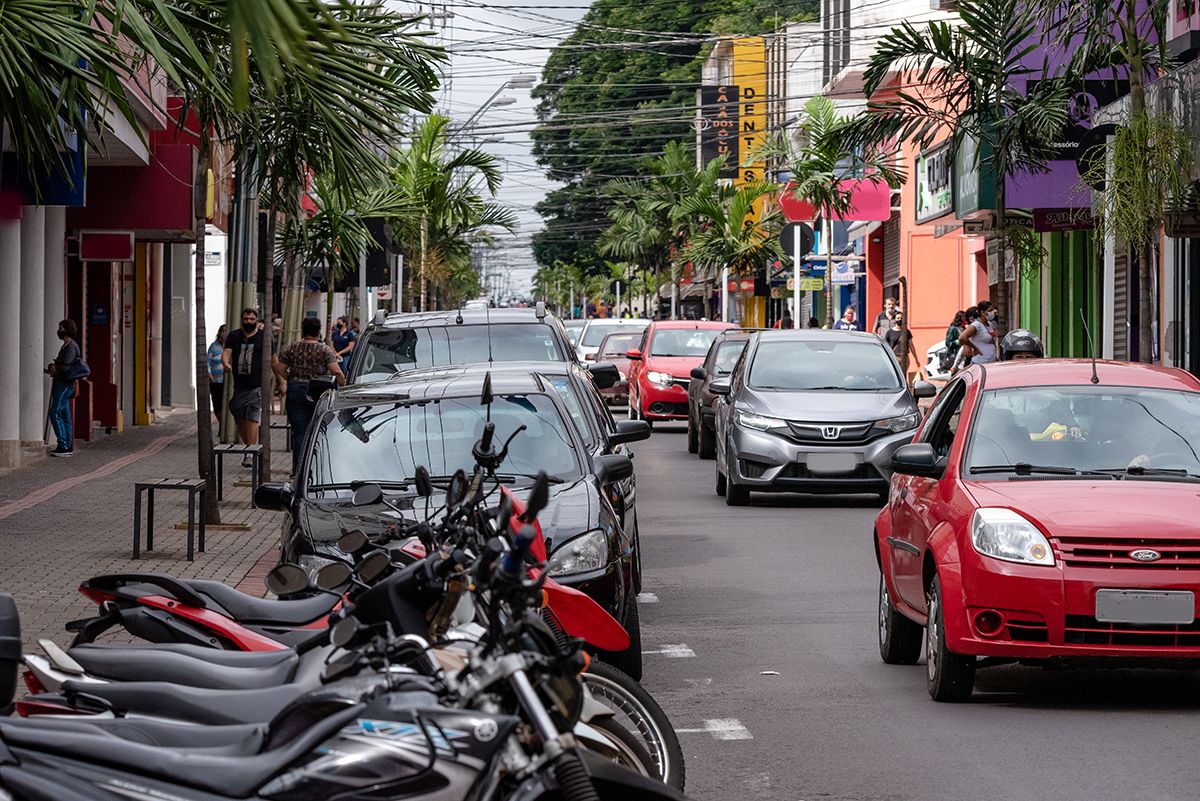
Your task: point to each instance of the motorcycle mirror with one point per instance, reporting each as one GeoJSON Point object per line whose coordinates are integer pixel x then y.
{"type": "Point", "coordinates": [539, 496]}
{"type": "Point", "coordinates": [367, 495]}
{"type": "Point", "coordinates": [286, 579]}
{"type": "Point", "coordinates": [504, 515]}
{"type": "Point", "coordinates": [352, 541]}
{"type": "Point", "coordinates": [339, 666]}
{"type": "Point", "coordinates": [485, 395]}
{"type": "Point", "coordinates": [423, 482]}
{"type": "Point", "coordinates": [334, 576]}
{"type": "Point", "coordinates": [373, 566]}
{"type": "Point", "coordinates": [342, 633]}
{"type": "Point", "coordinates": [457, 490]}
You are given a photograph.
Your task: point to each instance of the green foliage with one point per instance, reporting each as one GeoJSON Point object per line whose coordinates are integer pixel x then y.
{"type": "Point", "coordinates": [612, 94]}
{"type": "Point", "coordinates": [730, 231]}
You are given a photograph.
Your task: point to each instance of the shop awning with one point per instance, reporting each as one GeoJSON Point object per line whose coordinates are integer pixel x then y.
{"type": "Point", "coordinates": [870, 200]}
{"type": "Point", "coordinates": [862, 229]}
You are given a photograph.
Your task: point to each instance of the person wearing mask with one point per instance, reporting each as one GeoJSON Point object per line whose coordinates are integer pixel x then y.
{"type": "Point", "coordinates": [216, 371]}
{"type": "Point", "coordinates": [343, 340]}
{"type": "Point", "coordinates": [899, 339]}
{"type": "Point", "coordinates": [67, 368]}
{"type": "Point", "coordinates": [883, 321]}
{"type": "Point", "coordinates": [952, 344]}
{"type": "Point", "coordinates": [980, 335]}
{"type": "Point", "coordinates": [847, 323]}
{"type": "Point", "coordinates": [300, 363]}
{"type": "Point", "coordinates": [243, 359]}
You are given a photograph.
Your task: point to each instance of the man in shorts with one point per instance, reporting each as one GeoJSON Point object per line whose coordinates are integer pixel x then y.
{"type": "Point", "coordinates": [242, 358]}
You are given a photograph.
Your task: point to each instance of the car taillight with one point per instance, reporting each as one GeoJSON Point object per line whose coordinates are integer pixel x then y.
{"type": "Point", "coordinates": [413, 548]}
{"type": "Point", "coordinates": [30, 708]}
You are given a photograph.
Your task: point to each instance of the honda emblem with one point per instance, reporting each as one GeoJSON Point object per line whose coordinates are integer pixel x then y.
{"type": "Point", "coordinates": [831, 432]}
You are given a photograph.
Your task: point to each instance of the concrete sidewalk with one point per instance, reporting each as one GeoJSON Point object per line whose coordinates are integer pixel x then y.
{"type": "Point", "coordinates": [64, 520]}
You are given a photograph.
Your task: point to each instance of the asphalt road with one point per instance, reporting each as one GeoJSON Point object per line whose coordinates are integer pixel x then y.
{"type": "Point", "coordinates": [768, 666]}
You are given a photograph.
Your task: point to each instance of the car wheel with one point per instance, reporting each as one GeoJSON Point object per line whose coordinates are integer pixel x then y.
{"type": "Point", "coordinates": [720, 479]}
{"type": "Point", "coordinates": [631, 407]}
{"type": "Point", "coordinates": [707, 441]}
{"type": "Point", "coordinates": [693, 439]}
{"type": "Point", "coordinates": [637, 556]}
{"type": "Point", "coordinates": [951, 676]}
{"type": "Point", "coordinates": [736, 494]}
{"type": "Point", "coordinates": [899, 638]}
{"type": "Point", "coordinates": [629, 661]}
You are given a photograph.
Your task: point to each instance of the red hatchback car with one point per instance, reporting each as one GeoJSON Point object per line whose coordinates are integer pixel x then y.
{"type": "Point", "coordinates": [1046, 511]}
{"type": "Point", "coordinates": [660, 367]}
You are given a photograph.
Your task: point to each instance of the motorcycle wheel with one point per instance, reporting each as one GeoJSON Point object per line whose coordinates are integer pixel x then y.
{"type": "Point", "coordinates": [630, 752]}
{"type": "Point", "coordinates": [637, 711]}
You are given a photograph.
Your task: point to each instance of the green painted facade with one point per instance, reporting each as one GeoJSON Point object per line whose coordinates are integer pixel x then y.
{"type": "Point", "coordinates": [1052, 298]}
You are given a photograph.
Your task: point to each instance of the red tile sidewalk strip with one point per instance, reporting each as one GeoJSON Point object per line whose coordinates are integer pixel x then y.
{"type": "Point", "coordinates": [253, 582]}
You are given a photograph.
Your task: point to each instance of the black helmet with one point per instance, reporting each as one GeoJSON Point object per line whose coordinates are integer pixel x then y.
{"type": "Point", "coordinates": [1020, 341]}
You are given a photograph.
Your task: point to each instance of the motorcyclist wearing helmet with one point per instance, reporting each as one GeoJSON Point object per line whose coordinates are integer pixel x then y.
{"type": "Point", "coordinates": [1053, 421]}
{"type": "Point", "coordinates": [1021, 343]}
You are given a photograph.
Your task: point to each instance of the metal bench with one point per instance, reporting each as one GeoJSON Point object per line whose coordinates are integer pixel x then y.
{"type": "Point", "coordinates": [255, 451]}
{"type": "Point", "coordinates": [286, 427]}
{"type": "Point", "coordinates": [194, 487]}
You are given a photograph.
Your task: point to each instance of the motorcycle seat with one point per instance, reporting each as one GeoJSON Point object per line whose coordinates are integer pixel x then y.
{"type": "Point", "coordinates": [248, 609]}
{"type": "Point", "coordinates": [237, 740]}
{"type": "Point", "coordinates": [160, 699]}
{"type": "Point", "coordinates": [229, 776]}
{"type": "Point", "coordinates": [191, 665]}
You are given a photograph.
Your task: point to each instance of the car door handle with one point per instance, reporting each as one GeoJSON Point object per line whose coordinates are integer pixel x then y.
{"type": "Point", "coordinates": [903, 493]}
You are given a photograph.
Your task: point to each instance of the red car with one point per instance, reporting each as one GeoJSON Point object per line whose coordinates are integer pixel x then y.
{"type": "Point", "coordinates": [612, 349]}
{"type": "Point", "coordinates": [660, 367]}
{"type": "Point", "coordinates": [1046, 511]}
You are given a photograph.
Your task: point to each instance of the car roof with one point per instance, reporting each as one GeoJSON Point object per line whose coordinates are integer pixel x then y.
{"type": "Point", "coordinates": [1060, 372]}
{"type": "Point", "coordinates": [603, 321]}
{"type": "Point", "coordinates": [815, 334]}
{"type": "Point", "coordinates": [446, 317]}
{"type": "Point", "coordinates": [701, 324]}
{"type": "Point", "coordinates": [440, 382]}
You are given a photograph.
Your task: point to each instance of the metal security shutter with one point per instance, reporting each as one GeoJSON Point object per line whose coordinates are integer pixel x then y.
{"type": "Point", "coordinates": [891, 250]}
{"type": "Point", "coordinates": [1121, 306]}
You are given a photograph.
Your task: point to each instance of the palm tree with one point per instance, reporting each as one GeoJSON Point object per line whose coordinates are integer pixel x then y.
{"type": "Point", "coordinates": [820, 163]}
{"type": "Point", "coordinates": [966, 71]}
{"type": "Point", "coordinates": [447, 189]}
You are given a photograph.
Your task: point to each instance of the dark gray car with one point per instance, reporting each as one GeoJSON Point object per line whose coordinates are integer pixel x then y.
{"type": "Point", "coordinates": [720, 361]}
{"type": "Point", "coordinates": [812, 411]}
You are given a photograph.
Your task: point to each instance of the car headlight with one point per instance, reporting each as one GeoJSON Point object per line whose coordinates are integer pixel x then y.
{"type": "Point", "coordinates": [894, 425]}
{"type": "Point", "coordinates": [312, 565]}
{"type": "Point", "coordinates": [1004, 534]}
{"type": "Point", "coordinates": [585, 553]}
{"type": "Point", "coordinates": [761, 422]}
{"type": "Point", "coordinates": [659, 379]}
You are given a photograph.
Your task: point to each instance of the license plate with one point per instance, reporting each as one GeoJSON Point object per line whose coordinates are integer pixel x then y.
{"type": "Point", "coordinates": [832, 463]}
{"type": "Point", "coordinates": [1163, 607]}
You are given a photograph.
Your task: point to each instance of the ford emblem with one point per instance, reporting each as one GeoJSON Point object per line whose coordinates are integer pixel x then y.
{"type": "Point", "coordinates": [1145, 555]}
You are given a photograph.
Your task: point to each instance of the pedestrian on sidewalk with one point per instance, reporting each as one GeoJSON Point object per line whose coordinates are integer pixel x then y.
{"type": "Point", "coordinates": [813, 322]}
{"type": "Point", "coordinates": [243, 359]}
{"type": "Point", "coordinates": [981, 335]}
{"type": "Point", "coordinates": [953, 331]}
{"type": "Point", "coordinates": [883, 321]}
{"type": "Point", "coordinates": [847, 323]}
{"type": "Point", "coordinates": [66, 369]}
{"type": "Point", "coordinates": [343, 340]}
{"type": "Point", "coordinates": [899, 339]}
{"type": "Point", "coordinates": [300, 363]}
{"type": "Point", "coordinates": [216, 371]}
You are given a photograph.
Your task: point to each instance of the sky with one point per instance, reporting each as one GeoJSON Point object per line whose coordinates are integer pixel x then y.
{"type": "Point", "coordinates": [490, 42]}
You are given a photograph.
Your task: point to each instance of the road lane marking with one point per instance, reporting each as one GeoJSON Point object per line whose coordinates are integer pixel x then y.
{"type": "Point", "coordinates": [677, 651]}
{"type": "Point", "coordinates": [647, 598]}
{"type": "Point", "coordinates": [721, 729]}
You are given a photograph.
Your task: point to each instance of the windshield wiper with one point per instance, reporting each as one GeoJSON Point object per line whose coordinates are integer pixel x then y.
{"type": "Point", "coordinates": [350, 485]}
{"type": "Point", "coordinates": [1024, 468]}
{"type": "Point", "coordinates": [1136, 470]}
{"type": "Point", "coordinates": [507, 477]}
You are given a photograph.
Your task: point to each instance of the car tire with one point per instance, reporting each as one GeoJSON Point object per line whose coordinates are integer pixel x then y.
{"type": "Point", "coordinates": [631, 408]}
{"type": "Point", "coordinates": [629, 661]}
{"type": "Point", "coordinates": [720, 480]}
{"type": "Point", "coordinates": [637, 556]}
{"type": "Point", "coordinates": [951, 676]}
{"type": "Point", "coordinates": [707, 444]}
{"type": "Point", "coordinates": [736, 494]}
{"type": "Point", "coordinates": [693, 437]}
{"type": "Point", "coordinates": [900, 639]}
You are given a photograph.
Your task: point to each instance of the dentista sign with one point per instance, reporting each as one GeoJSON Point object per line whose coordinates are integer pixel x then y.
{"type": "Point", "coordinates": [935, 183]}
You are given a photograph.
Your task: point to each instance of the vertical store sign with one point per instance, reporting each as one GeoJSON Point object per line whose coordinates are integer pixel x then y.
{"type": "Point", "coordinates": [720, 131]}
{"type": "Point", "coordinates": [750, 75]}
{"type": "Point", "coordinates": [935, 197]}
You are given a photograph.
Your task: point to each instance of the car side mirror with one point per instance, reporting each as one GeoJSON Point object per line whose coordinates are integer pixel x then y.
{"type": "Point", "coordinates": [630, 431]}
{"type": "Point", "coordinates": [916, 459]}
{"type": "Point", "coordinates": [604, 374]}
{"type": "Point", "coordinates": [924, 389]}
{"type": "Point", "coordinates": [633, 355]}
{"type": "Point", "coordinates": [613, 467]}
{"type": "Point", "coordinates": [591, 357]}
{"type": "Point", "coordinates": [276, 497]}
{"type": "Point", "coordinates": [719, 386]}
{"type": "Point", "coordinates": [699, 373]}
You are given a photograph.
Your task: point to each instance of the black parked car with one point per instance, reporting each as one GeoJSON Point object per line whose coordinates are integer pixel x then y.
{"type": "Point", "coordinates": [397, 343]}
{"type": "Point", "coordinates": [382, 432]}
{"type": "Point", "coordinates": [723, 354]}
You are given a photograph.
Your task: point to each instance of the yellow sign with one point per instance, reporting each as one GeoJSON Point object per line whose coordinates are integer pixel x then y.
{"type": "Point", "coordinates": [806, 284]}
{"type": "Point", "coordinates": [750, 75]}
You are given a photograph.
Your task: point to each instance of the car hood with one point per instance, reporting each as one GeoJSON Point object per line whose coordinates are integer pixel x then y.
{"type": "Point", "coordinates": [677, 366]}
{"type": "Point", "coordinates": [1116, 509]}
{"type": "Point", "coordinates": [572, 509]}
{"type": "Point", "coordinates": [826, 405]}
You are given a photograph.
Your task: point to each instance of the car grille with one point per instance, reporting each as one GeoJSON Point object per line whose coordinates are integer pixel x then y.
{"type": "Point", "coordinates": [1085, 630]}
{"type": "Point", "coordinates": [1113, 554]}
{"type": "Point", "coordinates": [863, 471]}
{"type": "Point", "coordinates": [681, 382]}
{"type": "Point", "coordinates": [1028, 631]}
{"type": "Point", "coordinates": [843, 432]}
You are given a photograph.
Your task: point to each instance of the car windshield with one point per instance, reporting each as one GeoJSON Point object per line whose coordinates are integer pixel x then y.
{"type": "Point", "coordinates": [682, 341]}
{"type": "Point", "coordinates": [573, 328]}
{"type": "Point", "coordinates": [727, 356]}
{"type": "Point", "coordinates": [827, 363]}
{"type": "Point", "coordinates": [566, 391]}
{"type": "Point", "coordinates": [386, 442]}
{"type": "Point", "coordinates": [594, 334]}
{"type": "Point", "coordinates": [616, 345]}
{"type": "Point", "coordinates": [1122, 430]}
{"type": "Point", "coordinates": [390, 351]}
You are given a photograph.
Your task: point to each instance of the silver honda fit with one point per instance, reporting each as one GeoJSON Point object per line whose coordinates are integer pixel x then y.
{"type": "Point", "coordinates": [812, 411]}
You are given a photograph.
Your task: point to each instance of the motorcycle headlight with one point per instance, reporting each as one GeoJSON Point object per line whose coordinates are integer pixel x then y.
{"type": "Point", "coordinates": [761, 422]}
{"type": "Point", "coordinates": [659, 379]}
{"type": "Point", "coordinates": [312, 564]}
{"type": "Point", "coordinates": [585, 553]}
{"type": "Point", "coordinates": [1004, 534]}
{"type": "Point", "coordinates": [895, 425]}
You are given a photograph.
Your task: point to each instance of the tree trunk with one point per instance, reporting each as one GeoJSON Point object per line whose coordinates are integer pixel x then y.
{"type": "Point", "coordinates": [827, 235]}
{"type": "Point", "coordinates": [268, 375]}
{"type": "Point", "coordinates": [424, 257]}
{"type": "Point", "coordinates": [204, 413]}
{"type": "Point", "coordinates": [1137, 109]}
